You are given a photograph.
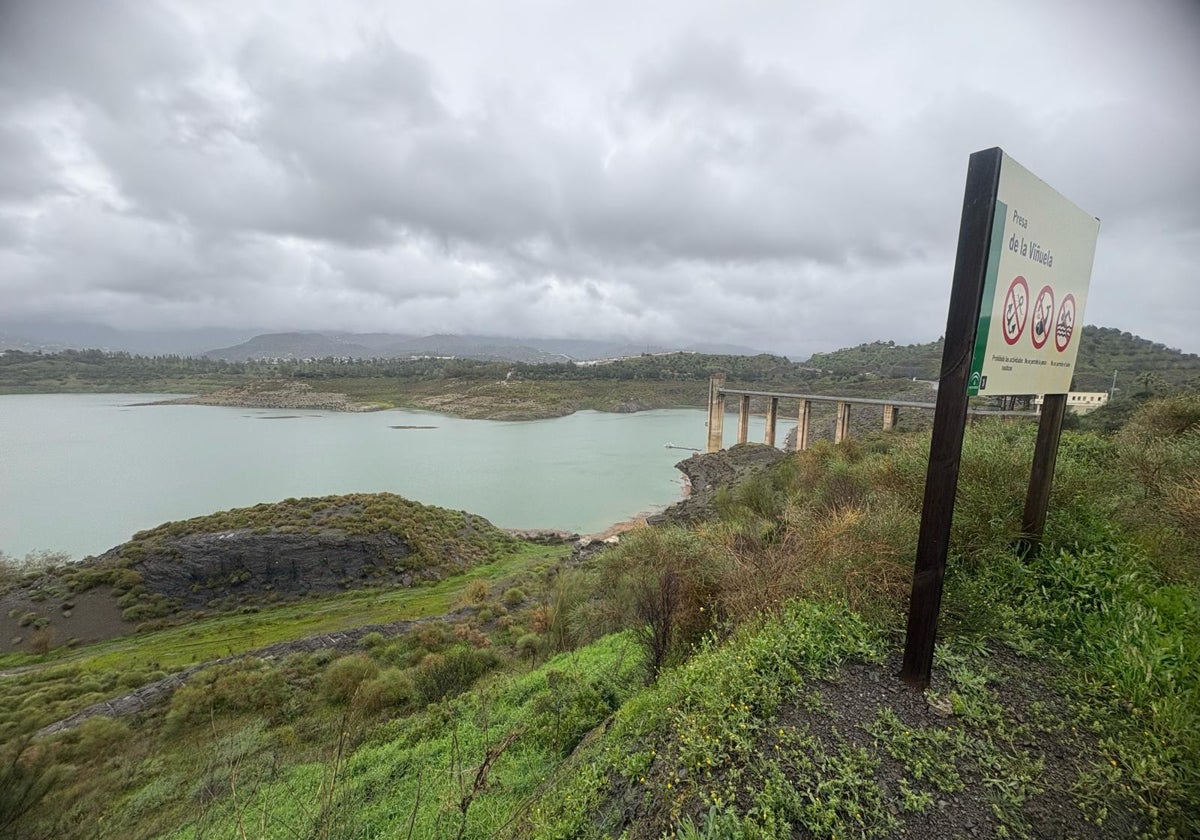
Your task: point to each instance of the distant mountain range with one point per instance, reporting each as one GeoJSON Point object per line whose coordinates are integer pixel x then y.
{"type": "Point", "coordinates": [246, 344]}
{"type": "Point", "coordinates": [52, 336]}
{"type": "Point", "coordinates": [315, 345]}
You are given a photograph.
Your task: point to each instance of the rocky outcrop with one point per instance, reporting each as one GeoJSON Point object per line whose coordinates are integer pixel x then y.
{"type": "Point", "coordinates": [709, 472]}
{"type": "Point", "coordinates": [280, 395]}
{"type": "Point", "coordinates": [196, 569]}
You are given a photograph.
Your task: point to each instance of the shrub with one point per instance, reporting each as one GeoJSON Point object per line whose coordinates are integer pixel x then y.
{"type": "Point", "coordinates": [573, 705]}
{"type": "Point", "coordinates": [42, 641]}
{"type": "Point", "coordinates": [343, 677]}
{"type": "Point", "coordinates": [99, 735]}
{"type": "Point", "coordinates": [248, 685]}
{"type": "Point", "coordinates": [513, 596]}
{"type": "Point", "coordinates": [445, 674]}
{"type": "Point", "coordinates": [476, 593]}
{"type": "Point", "coordinates": [530, 645]}
{"type": "Point", "coordinates": [391, 689]}
{"type": "Point", "coordinates": [664, 583]}
{"type": "Point", "coordinates": [26, 776]}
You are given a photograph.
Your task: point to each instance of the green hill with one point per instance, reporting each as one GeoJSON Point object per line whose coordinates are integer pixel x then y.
{"type": "Point", "coordinates": [1140, 364]}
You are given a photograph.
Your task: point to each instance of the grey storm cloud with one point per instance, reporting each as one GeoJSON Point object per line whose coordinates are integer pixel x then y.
{"type": "Point", "coordinates": [784, 178]}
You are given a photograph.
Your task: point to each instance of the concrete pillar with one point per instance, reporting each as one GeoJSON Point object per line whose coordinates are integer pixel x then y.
{"type": "Point", "coordinates": [841, 429]}
{"type": "Point", "coordinates": [891, 414]}
{"type": "Point", "coordinates": [772, 415]}
{"type": "Point", "coordinates": [716, 413]}
{"type": "Point", "coordinates": [744, 419]}
{"type": "Point", "coordinates": [802, 420]}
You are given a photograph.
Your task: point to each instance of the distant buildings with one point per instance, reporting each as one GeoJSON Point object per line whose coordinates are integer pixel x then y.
{"type": "Point", "coordinates": [1080, 402]}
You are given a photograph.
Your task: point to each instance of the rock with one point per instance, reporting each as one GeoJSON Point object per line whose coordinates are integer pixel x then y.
{"type": "Point", "coordinates": [196, 569]}
{"type": "Point", "coordinates": [709, 472]}
{"type": "Point", "coordinates": [545, 537]}
{"type": "Point", "coordinates": [940, 706]}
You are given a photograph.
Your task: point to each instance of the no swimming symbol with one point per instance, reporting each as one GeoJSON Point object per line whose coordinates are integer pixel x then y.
{"type": "Point", "coordinates": [1065, 326]}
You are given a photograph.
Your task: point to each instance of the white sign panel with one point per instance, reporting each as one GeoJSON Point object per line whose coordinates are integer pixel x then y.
{"type": "Point", "coordinates": [1038, 270]}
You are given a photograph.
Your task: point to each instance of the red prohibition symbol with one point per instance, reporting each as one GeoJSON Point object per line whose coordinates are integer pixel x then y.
{"type": "Point", "coordinates": [1065, 324]}
{"type": "Point", "coordinates": [1043, 316]}
{"type": "Point", "coordinates": [1016, 309]}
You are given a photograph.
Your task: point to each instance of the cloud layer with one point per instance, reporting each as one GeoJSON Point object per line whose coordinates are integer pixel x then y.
{"type": "Point", "coordinates": [787, 179]}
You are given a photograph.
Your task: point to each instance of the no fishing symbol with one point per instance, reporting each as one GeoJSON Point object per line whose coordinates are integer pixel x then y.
{"type": "Point", "coordinates": [1043, 314]}
{"type": "Point", "coordinates": [1016, 309]}
{"type": "Point", "coordinates": [1065, 327]}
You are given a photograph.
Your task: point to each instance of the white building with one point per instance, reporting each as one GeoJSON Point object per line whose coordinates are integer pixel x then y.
{"type": "Point", "coordinates": [1080, 402]}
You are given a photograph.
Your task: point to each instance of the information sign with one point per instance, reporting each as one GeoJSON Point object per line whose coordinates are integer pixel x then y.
{"type": "Point", "coordinates": [1042, 241]}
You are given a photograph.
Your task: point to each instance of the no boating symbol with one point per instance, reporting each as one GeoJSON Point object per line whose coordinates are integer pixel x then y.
{"type": "Point", "coordinates": [1016, 309]}
{"type": "Point", "coordinates": [1043, 314]}
{"type": "Point", "coordinates": [1065, 326]}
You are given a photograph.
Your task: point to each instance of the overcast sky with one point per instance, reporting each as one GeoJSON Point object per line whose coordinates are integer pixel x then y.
{"type": "Point", "coordinates": [787, 176]}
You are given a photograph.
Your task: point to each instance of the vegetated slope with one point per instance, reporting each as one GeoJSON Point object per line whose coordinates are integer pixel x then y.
{"type": "Point", "coordinates": [463, 387]}
{"type": "Point", "coordinates": [1138, 362]}
{"type": "Point", "coordinates": [248, 556]}
{"type": "Point", "coordinates": [1065, 702]}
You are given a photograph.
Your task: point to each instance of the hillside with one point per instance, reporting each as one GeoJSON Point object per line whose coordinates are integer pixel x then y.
{"type": "Point", "coordinates": [694, 681]}
{"type": "Point", "coordinates": [246, 557]}
{"type": "Point", "coordinates": [1139, 363]}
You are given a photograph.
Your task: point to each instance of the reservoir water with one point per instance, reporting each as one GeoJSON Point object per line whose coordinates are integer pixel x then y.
{"type": "Point", "coordinates": [81, 473]}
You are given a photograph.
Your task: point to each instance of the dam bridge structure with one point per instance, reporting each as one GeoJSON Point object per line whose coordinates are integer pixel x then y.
{"type": "Point", "coordinates": [718, 394]}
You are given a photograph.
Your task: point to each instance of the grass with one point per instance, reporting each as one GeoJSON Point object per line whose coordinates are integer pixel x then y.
{"type": "Point", "coordinates": [83, 676]}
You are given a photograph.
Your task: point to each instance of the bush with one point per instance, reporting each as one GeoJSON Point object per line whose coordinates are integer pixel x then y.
{"type": "Point", "coordinates": [391, 689]}
{"type": "Point", "coordinates": [98, 736]}
{"type": "Point", "coordinates": [248, 685]}
{"type": "Point", "coordinates": [445, 674]}
{"type": "Point", "coordinates": [26, 776]}
{"type": "Point", "coordinates": [663, 581]}
{"type": "Point", "coordinates": [344, 676]}
{"type": "Point", "coordinates": [514, 596]}
{"type": "Point", "coordinates": [476, 593]}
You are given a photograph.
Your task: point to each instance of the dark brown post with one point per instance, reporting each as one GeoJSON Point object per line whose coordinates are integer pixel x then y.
{"type": "Point", "coordinates": [1045, 455]}
{"type": "Point", "coordinates": [841, 428]}
{"type": "Point", "coordinates": [772, 416]}
{"type": "Point", "coordinates": [716, 413]}
{"type": "Point", "coordinates": [950, 414]}
{"type": "Point", "coordinates": [744, 419]}
{"type": "Point", "coordinates": [802, 421]}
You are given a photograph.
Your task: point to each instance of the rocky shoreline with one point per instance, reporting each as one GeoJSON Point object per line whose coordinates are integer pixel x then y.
{"type": "Point", "coordinates": [707, 473]}
{"type": "Point", "coordinates": [283, 395]}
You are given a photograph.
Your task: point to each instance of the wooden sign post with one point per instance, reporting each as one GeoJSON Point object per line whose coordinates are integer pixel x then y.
{"type": "Point", "coordinates": [1020, 236]}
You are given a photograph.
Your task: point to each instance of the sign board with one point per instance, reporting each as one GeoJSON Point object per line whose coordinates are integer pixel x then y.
{"type": "Point", "coordinates": [1039, 264]}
